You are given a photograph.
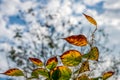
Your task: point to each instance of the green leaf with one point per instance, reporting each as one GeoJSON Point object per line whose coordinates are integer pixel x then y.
{"type": "Point", "coordinates": [40, 71]}
{"type": "Point", "coordinates": [61, 73]}
{"type": "Point", "coordinates": [71, 58]}
{"type": "Point", "coordinates": [52, 63]}
{"type": "Point", "coordinates": [14, 72]}
{"type": "Point", "coordinates": [56, 74]}
{"type": "Point", "coordinates": [93, 54]}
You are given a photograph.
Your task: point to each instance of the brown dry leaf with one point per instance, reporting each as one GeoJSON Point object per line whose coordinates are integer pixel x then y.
{"type": "Point", "coordinates": [84, 67]}
{"type": "Point", "coordinates": [83, 77]}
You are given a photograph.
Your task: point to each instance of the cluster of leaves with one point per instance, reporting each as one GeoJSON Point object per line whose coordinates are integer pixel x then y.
{"type": "Point", "coordinates": [71, 58]}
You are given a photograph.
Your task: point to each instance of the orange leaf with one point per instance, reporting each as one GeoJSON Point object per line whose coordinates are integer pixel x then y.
{"type": "Point", "coordinates": [52, 63]}
{"type": "Point", "coordinates": [71, 58]}
{"type": "Point", "coordinates": [36, 61]}
{"type": "Point", "coordinates": [90, 19]}
{"type": "Point", "coordinates": [78, 40]}
{"type": "Point", "coordinates": [107, 75]}
{"type": "Point", "coordinates": [14, 72]}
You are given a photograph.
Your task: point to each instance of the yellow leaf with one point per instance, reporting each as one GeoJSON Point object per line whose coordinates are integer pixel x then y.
{"type": "Point", "coordinates": [71, 58]}
{"type": "Point", "coordinates": [93, 54]}
{"type": "Point", "coordinates": [84, 67]}
{"type": "Point", "coordinates": [107, 75]}
{"type": "Point", "coordinates": [36, 61]}
{"type": "Point", "coordinates": [40, 71]}
{"type": "Point", "coordinates": [90, 19]}
{"type": "Point", "coordinates": [52, 63]}
{"type": "Point", "coordinates": [61, 73]}
{"type": "Point", "coordinates": [14, 72]}
{"type": "Point", "coordinates": [78, 40]}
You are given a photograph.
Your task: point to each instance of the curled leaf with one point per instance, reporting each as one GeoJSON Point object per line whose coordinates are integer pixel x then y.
{"type": "Point", "coordinates": [83, 77]}
{"type": "Point", "coordinates": [71, 58]}
{"type": "Point", "coordinates": [78, 40]}
{"type": "Point", "coordinates": [36, 61]}
{"type": "Point", "coordinates": [90, 19]}
{"type": "Point", "coordinates": [93, 54]}
{"type": "Point", "coordinates": [107, 75]}
{"type": "Point", "coordinates": [14, 72]}
{"type": "Point", "coordinates": [84, 67]}
{"type": "Point", "coordinates": [61, 73]}
{"type": "Point", "coordinates": [97, 78]}
{"type": "Point", "coordinates": [40, 71]}
{"type": "Point", "coordinates": [52, 63]}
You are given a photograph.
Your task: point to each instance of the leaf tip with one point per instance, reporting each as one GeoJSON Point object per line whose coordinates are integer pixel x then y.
{"type": "Point", "coordinates": [90, 19]}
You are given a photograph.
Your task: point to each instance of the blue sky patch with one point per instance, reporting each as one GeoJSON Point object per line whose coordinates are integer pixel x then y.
{"type": "Point", "coordinates": [15, 19]}
{"type": "Point", "coordinates": [98, 7]}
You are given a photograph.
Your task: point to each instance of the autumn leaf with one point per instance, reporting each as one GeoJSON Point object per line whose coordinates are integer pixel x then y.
{"type": "Point", "coordinates": [107, 75]}
{"type": "Point", "coordinates": [98, 78]}
{"type": "Point", "coordinates": [83, 77]}
{"type": "Point", "coordinates": [84, 67]}
{"type": "Point", "coordinates": [52, 63]}
{"type": "Point", "coordinates": [90, 19]}
{"type": "Point", "coordinates": [14, 72]}
{"type": "Point", "coordinates": [78, 40]}
{"type": "Point", "coordinates": [93, 54]}
{"type": "Point", "coordinates": [36, 61]}
{"type": "Point", "coordinates": [61, 73]}
{"type": "Point", "coordinates": [71, 58]}
{"type": "Point", "coordinates": [40, 71]}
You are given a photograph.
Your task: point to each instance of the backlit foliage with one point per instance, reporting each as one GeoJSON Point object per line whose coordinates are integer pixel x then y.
{"type": "Point", "coordinates": [14, 72]}
{"type": "Point", "coordinates": [78, 40]}
{"type": "Point", "coordinates": [69, 59]}
{"type": "Point", "coordinates": [36, 61]}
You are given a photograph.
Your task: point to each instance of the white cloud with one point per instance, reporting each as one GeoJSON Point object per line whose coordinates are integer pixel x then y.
{"type": "Point", "coordinates": [3, 58]}
{"type": "Point", "coordinates": [111, 14]}
{"type": "Point", "coordinates": [79, 8]}
{"type": "Point", "coordinates": [53, 6]}
{"type": "Point", "coordinates": [27, 5]}
{"type": "Point", "coordinates": [111, 4]}
{"type": "Point", "coordinates": [91, 2]}
{"type": "Point", "coordinates": [9, 7]}
{"type": "Point", "coordinates": [4, 31]}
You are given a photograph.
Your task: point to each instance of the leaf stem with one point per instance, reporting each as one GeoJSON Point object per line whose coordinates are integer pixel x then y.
{"type": "Point", "coordinates": [93, 36]}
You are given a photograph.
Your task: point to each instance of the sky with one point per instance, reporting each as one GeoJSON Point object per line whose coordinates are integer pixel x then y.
{"type": "Point", "coordinates": [13, 14]}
